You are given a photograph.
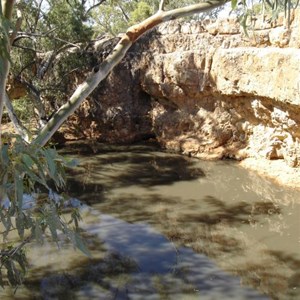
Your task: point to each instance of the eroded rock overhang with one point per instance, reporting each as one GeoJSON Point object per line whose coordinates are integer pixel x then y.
{"type": "Point", "coordinates": [205, 89]}
{"type": "Point", "coordinates": [219, 93]}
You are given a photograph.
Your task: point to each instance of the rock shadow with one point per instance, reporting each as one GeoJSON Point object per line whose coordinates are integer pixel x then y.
{"type": "Point", "coordinates": [103, 172]}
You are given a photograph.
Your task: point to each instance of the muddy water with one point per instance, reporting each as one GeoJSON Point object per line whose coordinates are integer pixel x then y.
{"type": "Point", "coordinates": [163, 226]}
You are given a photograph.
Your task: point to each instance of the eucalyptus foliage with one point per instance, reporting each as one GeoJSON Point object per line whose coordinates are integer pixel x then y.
{"type": "Point", "coordinates": [28, 206]}
{"type": "Point", "coordinates": [28, 172]}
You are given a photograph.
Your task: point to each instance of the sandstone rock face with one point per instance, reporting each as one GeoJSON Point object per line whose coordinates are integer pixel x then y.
{"type": "Point", "coordinates": [118, 110]}
{"type": "Point", "coordinates": [206, 89]}
{"type": "Point", "coordinates": [218, 93]}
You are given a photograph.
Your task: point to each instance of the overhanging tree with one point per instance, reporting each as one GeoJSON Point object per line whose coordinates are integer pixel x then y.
{"type": "Point", "coordinates": [25, 163]}
{"type": "Point", "coordinates": [100, 72]}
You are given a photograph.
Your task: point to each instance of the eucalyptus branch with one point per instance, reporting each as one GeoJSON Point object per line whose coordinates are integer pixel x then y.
{"type": "Point", "coordinates": [17, 26]}
{"type": "Point", "coordinates": [162, 5]}
{"type": "Point", "coordinates": [19, 127]}
{"type": "Point", "coordinates": [24, 68]}
{"type": "Point", "coordinates": [14, 250]}
{"type": "Point", "coordinates": [66, 42]}
{"type": "Point", "coordinates": [35, 96]}
{"type": "Point", "coordinates": [4, 254]}
{"type": "Point", "coordinates": [101, 72]}
{"type": "Point", "coordinates": [38, 15]}
{"type": "Point", "coordinates": [123, 12]}
{"type": "Point", "coordinates": [26, 48]}
{"type": "Point", "coordinates": [31, 35]}
{"type": "Point", "coordinates": [94, 6]}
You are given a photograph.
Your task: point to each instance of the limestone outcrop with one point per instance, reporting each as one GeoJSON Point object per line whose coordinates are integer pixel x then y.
{"type": "Point", "coordinates": [218, 93]}
{"type": "Point", "coordinates": [208, 90]}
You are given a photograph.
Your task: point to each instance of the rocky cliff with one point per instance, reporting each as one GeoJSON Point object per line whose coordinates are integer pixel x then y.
{"type": "Point", "coordinates": [208, 90]}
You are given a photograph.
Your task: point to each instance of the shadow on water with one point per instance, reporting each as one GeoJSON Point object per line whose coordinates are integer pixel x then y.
{"type": "Point", "coordinates": [162, 226]}
{"type": "Point", "coordinates": [127, 168]}
{"type": "Point", "coordinates": [76, 283]}
{"type": "Point", "coordinates": [140, 263]}
{"type": "Point", "coordinates": [294, 264]}
{"type": "Point", "coordinates": [235, 233]}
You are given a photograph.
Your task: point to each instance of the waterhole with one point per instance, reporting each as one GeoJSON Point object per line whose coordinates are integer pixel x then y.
{"type": "Point", "coordinates": [164, 226]}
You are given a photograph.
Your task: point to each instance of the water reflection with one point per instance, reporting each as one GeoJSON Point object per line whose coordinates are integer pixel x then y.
{"type": "Point", "coordinates": [162, 226]}
{"type": "Point", "coordinates": [129, 167]}
{"type": "Point", "coordinates": [140, 263]}
{"type": "Point", "coordinates": [228, 214]}
{"type": "Point", "coordinates": [164, 270]}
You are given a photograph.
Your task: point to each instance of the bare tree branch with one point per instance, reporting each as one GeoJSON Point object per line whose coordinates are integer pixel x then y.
{"type": "Point", "coordinates": [94, 6]}
{"type": "Point", "coordinates": [123, 12]}
{"type": "Point", "coordinates": [26, 48]}
{"type": "Point", "coordinates": [37, 16]}
{"type": "Point", "coordinates": [162, 5]}
{"type": "Point", "coordinates": [19, 127]}
{"type": "Point", "coordinates": [35, 96]}
{"type": "Point", "coordinates": [34, 34]}
{"type": "Point", "coordinates": [17, 26]}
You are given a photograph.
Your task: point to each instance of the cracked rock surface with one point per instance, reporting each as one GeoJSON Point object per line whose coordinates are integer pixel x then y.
{"type": "Point", "coordinates": [217, 93]}
{"type": "Point", "coordinates": [207, 90]}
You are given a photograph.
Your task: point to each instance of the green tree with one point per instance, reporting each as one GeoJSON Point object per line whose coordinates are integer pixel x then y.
{"type": "Point", "coordinates": [24, 170]}
{"type": "Point", "coordinates": [45, 40]}
{"type": "Point", "coordinates": [67, 22]}
{"type": "Point", "coordinates": [143, 11]}
{"type": "Point", "coordinates": [116, 16]}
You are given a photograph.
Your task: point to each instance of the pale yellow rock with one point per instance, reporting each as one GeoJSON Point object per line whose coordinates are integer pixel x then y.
{"type": "Point", "coordinates": [279, 36]}
{"type": "Point", "coordinates": [240, 95]}
{"type": "Point", "coordinates": [265, 72]}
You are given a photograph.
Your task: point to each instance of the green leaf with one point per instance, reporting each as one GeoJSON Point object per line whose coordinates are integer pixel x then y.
{"type": "Point", "coordinates": [20, 225]}
{"type": "Point", "coordinates": [243, 21]}
{"type": "Point", "coordinates": [6, 221]}
{"type": "Point", "coordinates": [4, 155]}
{"type": "Point", "coordinates": [54, 224]}
{"type": "Point", "coordinates": [19, 190]}
{"type": "Point", "coordinates": [28, 221]}
{"type": "Point", "coordinates": [78, 243]}
{"type": "Point", "coordinates": [1, 279]}
{"type": "Point", "coordinates": [27, 160]}
{"type": "Point", "coordinates": [20, 258]}
{"type": "Point", "coordinates": [51, 162]}
{"type": "Point", "coordinates": [34, 177]}
{"type": "Point", "coordinates": [12, 272]}
{"type": "Point", "coordinates": [41, 173]}
{"type": "Point", "coordinates": [5, 25]}
{"type": "Point", "coordinates": [233, 4]}
{"type": "Point", "coordinates": [75, 217]}
{"type": "Point", "coordinates": [52, 227]}
{"type": "Point", "coordinates": [38, 233]}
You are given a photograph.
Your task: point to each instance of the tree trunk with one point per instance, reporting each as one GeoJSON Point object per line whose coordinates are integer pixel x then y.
{"type": "Point", "coordinates": [6, 11]}
{"type": "Point", "coordinates": [100, 72]}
